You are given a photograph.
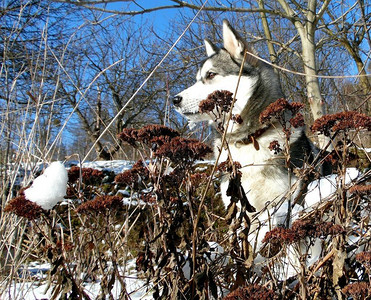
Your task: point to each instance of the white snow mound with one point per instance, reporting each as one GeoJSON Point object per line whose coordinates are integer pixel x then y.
{"type": "Point", "coordinates": [50, 187]}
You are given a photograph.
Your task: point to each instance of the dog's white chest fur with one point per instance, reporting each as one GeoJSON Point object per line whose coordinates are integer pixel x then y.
{"type": "Point", "coordinates": [262, 179]}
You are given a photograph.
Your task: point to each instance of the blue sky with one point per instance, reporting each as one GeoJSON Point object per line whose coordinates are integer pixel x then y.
{"type": "Point", "coordinates": [161, 18]}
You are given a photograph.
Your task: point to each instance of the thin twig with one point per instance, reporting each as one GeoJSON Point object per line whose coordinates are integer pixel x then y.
{"type": "Point", "coordinates": [195, 225]}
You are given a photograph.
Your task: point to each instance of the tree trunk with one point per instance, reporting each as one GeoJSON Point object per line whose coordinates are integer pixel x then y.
{"type": "Point", "coordinates": [364, 82]}
{"type": "Point", "coordinates": [267, 33]}
{"type": "Point", "coordinates": [306, 32]}
{"type": "Point", "coordinates": [315, 99]}
{"type": "Point", "coordinates": [93, 135]}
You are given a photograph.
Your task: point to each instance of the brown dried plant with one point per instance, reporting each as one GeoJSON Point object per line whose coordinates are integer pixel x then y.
{"type": "Point", "coordinates": [24, 208]}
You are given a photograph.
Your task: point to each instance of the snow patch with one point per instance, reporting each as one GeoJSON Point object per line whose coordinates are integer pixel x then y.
{"type": "Point", "coordinates": [322, 188]}
{"type": "Point", "coordinates": [116, 166]}
{"type": "Point", "coordinates": [50, 187]}
{"type": "Point", "coordinates": [136, 288]}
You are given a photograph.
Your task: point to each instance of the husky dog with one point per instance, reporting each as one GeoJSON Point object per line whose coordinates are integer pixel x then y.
{"type": "Point", "coordinates": [265, 178]}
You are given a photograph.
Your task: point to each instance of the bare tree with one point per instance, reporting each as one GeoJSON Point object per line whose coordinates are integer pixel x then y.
{"type": "Point", "coordinates": [306, 17]}
{"type": "Point", "coordinates": [117, 57]}
{"type": "Point", "coordinates": [350, 30]}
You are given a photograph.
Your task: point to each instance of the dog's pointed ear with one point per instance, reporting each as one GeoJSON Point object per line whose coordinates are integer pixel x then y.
{"type": "Point", "coordinates": [235, 45]}
{"type": "Point", "coordinates": [232, 41]}
{"type": "Point", "coordinates": [210, 48]}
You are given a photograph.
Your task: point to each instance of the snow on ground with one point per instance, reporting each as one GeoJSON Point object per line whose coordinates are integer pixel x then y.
{"type": "Point", "coordinates": [135, 287]}
{"type": "Point", "coordinates": [117, 166]}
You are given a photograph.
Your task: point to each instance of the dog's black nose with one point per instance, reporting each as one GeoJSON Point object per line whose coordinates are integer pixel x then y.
{"type": "Point", "coordinates": [177, 99]}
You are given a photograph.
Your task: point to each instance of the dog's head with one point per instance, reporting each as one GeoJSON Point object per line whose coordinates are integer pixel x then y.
{"type": "Point", "coordinates": [220, 71]}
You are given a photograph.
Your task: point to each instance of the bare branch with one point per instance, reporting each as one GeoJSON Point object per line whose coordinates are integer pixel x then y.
{"type": "Point", "coordinates": [322, 11]}
{"type": "Point", "coordinates": [91, 2]}
{"type": "Point", "coordinates": [178, 4]}
{"type": "Point", "coordinates": [90, 5]}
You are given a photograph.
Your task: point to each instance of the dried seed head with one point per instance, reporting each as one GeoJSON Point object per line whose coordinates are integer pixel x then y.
{"type": "Point", "coordinates": [252, 291]}
{"type": "Point", "coordinates": [90, 176]}
{"type": "Point", "coordinates": [149, 135]}
{"type": "Point", "coordinates": [297, 121]}
{"type": "Point", "coordinates": [358, 290]}
{"type": "Point", "coordinates": [364, 258]}
{"type": "Point", "coordinates": [24, 208]}
{"type": "Point", "coordinates": [222, 99]}
{"type": "Point", "coordinates": [181, 150]}
{"type": "Point", "coordinates": [138, 172]}
{"type": "Point", "coordinates": [206, 105]}
{"type": "Point", "coordinates": [275, 146]}
{"type": "Point", "coordinates": [302, 229]}
{"type": "Point", "coordinates": [226, 166]}
{"type": "Point", "coordinates": [341, 121]}
{"type": "Point", "coordinates": [274, 110]}
{"type": "Point", "coordinates": [100, 204]}
{"type": "Point", "coordinates": [128, 135]}
{"type": "Point", "coordinates": [360, 189]}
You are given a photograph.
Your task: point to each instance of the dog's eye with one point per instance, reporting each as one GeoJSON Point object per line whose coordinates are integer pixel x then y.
{"type": "Point", "coordinates": [210, 75]}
